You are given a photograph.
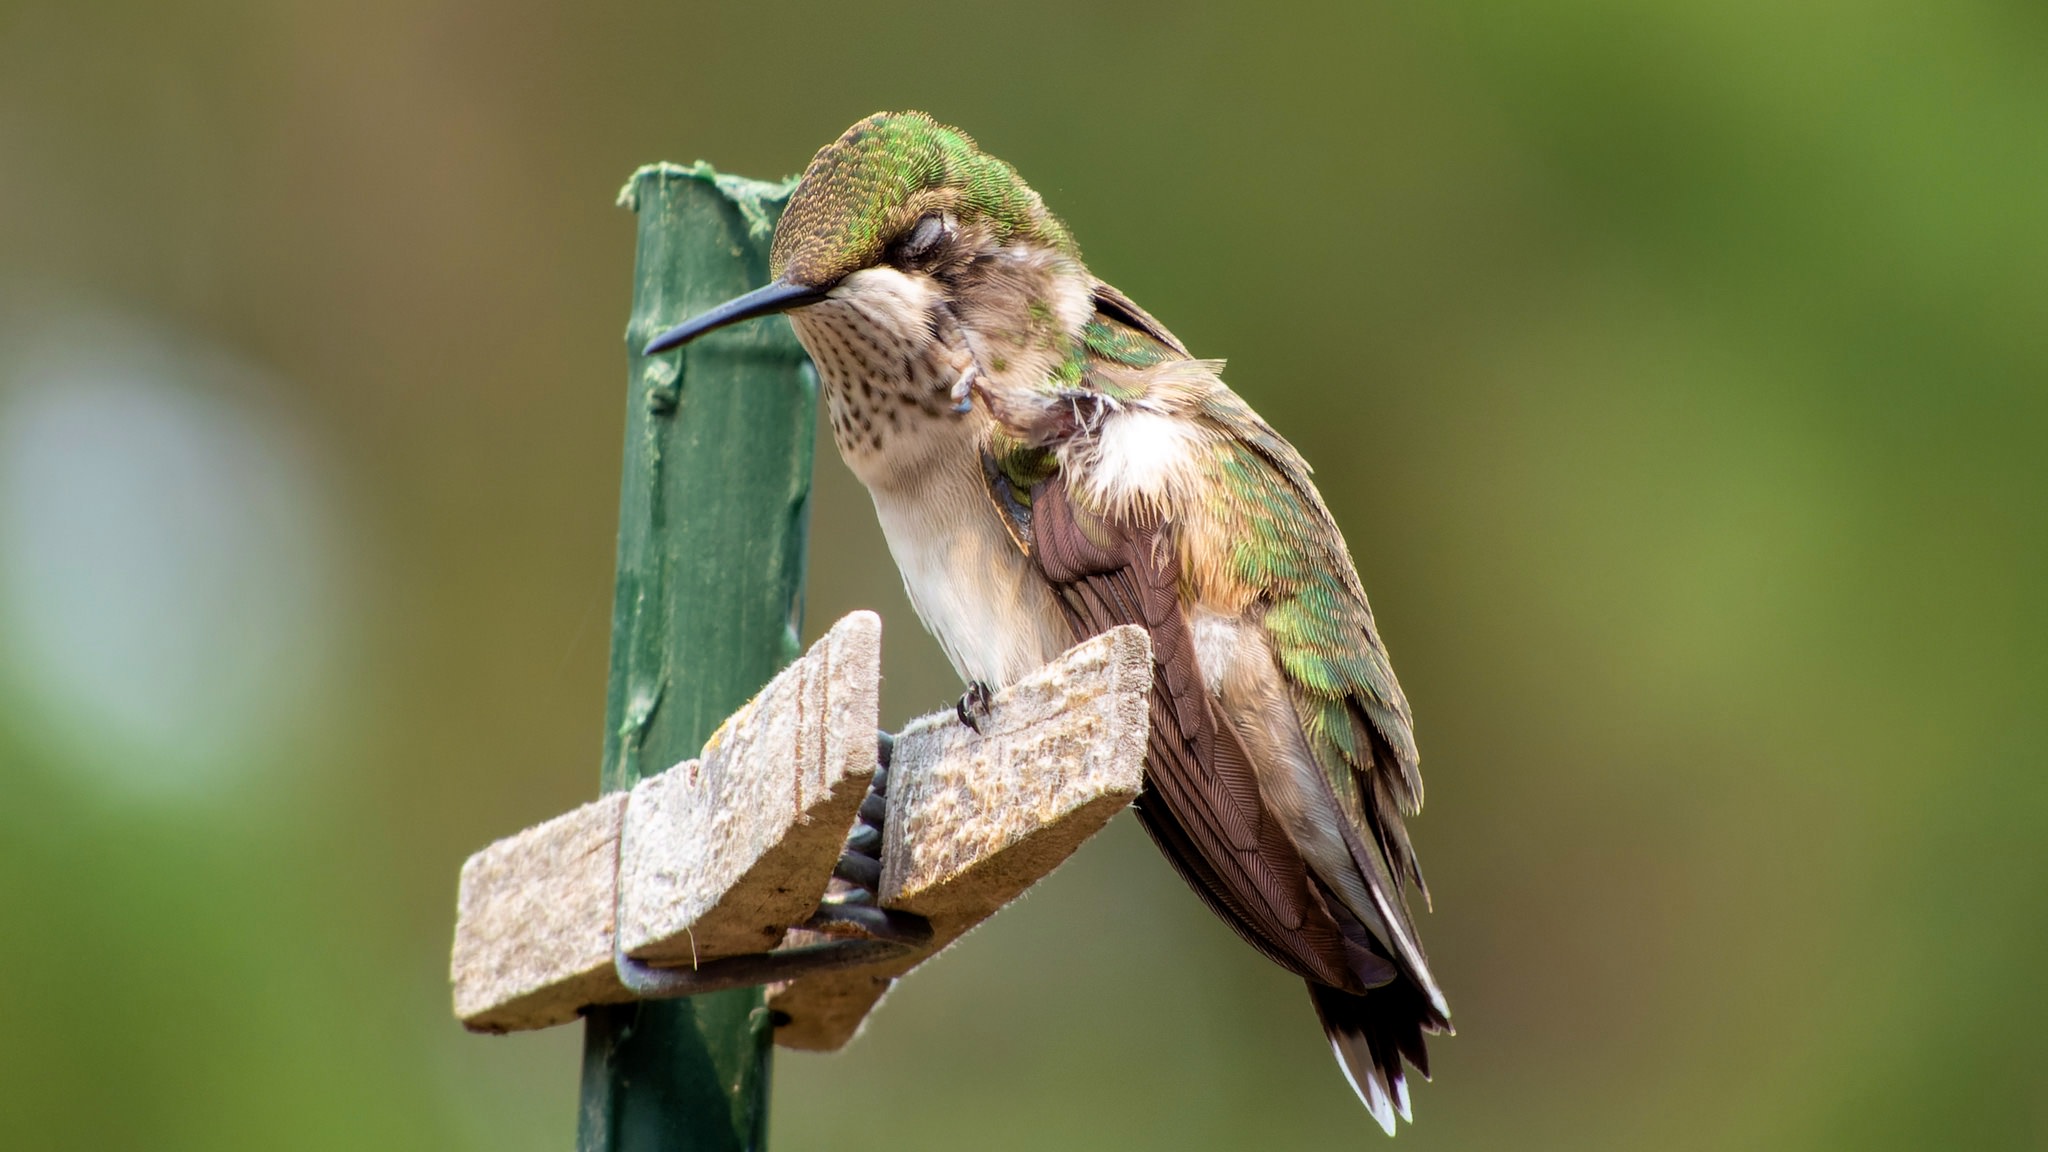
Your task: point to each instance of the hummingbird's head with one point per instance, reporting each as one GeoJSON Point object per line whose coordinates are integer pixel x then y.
{"type": "Point", "coordinates": [901, 190]}
{"type": "Point", "coordinates": [910, 263]}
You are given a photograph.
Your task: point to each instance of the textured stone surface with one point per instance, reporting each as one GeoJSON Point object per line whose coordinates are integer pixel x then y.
{"type": "Point", "coordinates": [533, 925]}
{"type": "Point", "coordinates": [975, 819]}
{"type": "Point", "coordinates": [728, 850]}
{"type": "Point", "coordinates": [721, 854]}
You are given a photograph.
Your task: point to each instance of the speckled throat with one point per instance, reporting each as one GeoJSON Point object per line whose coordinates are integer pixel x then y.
{"type": "Point", "coordinates": [889, 379]}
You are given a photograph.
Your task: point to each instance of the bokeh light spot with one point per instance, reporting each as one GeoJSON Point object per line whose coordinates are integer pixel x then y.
{"type": "Point", "coordinates": [162, 557]}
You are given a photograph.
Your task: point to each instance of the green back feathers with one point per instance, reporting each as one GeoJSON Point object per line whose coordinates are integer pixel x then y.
{"type": "Point", "coordinates": [1119, 343]}
{"type": "Point", "coordinates": [864, 188]}
{"type": "Point", "coordinates": [1283, 543]}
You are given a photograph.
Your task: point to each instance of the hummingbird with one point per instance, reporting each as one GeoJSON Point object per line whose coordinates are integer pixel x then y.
{"type": "Point", "coordinates": [1048, 461]}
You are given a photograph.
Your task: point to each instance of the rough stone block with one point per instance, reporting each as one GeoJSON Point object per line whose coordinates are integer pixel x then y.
{"type": "Point", "coordinates": [976, 818]}
{"type": "Point", "coordinates": [533, 925]}
{"type": "Point", "coordinates": [721, 854]}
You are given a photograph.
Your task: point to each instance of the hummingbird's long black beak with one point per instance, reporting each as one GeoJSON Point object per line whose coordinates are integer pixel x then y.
{"type": "Point", "coordinates": [777, 296]}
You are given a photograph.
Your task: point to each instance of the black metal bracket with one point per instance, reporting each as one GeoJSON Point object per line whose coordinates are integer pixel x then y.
{"type": "Point", "coordinates": [906, 933]}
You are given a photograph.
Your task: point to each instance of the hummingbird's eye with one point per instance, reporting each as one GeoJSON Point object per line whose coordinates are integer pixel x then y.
{"type": "Point", "coordinates": [924, 238]}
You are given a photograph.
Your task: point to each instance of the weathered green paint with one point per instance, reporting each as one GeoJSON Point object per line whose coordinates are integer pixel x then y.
{"type": "Point", "coordinates": [713, 509]}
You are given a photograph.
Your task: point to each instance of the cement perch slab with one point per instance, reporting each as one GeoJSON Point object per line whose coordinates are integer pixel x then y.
{"type": "Point", "coordinates": [729, 848]}
{"type": "Point", "coordinates": [719, 856]}
{"type": "Point", "coordinates": [977, 818]}
{"type": "Point", "coordinates": [533, 923]}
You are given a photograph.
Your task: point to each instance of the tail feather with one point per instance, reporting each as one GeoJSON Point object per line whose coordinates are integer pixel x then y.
{"type": "Point", "coordinates": [1371, 1034]}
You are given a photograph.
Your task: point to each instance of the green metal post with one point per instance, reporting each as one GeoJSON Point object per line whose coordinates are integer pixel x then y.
{"type": "Point", "coordinates": [713, 510]}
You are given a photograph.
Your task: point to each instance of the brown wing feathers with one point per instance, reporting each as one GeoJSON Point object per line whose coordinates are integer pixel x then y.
{"type": "Point", "coordinates": [1203, 806]}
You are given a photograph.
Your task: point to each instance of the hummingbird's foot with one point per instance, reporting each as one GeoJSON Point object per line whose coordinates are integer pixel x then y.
{"type": "Point", "coordinates": [973, 706]}
{"type": "Point", "coordinates": [962, 394]}
{"type": "Point", "coordinates": [859, 871]}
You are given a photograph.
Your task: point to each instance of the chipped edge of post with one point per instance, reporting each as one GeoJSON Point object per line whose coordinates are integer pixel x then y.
{"type": "Point", "coordinates": [752, 197]}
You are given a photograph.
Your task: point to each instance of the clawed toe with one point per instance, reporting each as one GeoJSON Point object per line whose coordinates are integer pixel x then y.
{"type": "Point", "coordinates": [973, 706]}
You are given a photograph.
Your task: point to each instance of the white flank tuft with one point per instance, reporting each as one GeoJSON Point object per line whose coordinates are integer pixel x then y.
{"type": "Point", "coordinates": [1139, 455]}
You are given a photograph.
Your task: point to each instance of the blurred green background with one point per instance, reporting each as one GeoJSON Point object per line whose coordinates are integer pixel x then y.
{"type": "Point", "coordinates": [1677, 371]}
